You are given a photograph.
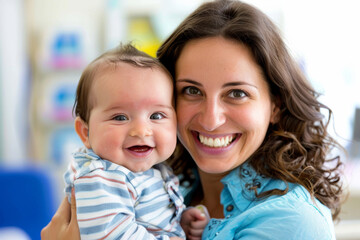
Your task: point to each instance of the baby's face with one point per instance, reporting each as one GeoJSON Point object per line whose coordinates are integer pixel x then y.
{"type": "Point", "coordinates": [132, 122]}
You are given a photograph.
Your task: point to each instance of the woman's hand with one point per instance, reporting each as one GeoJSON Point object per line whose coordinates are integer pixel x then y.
{"type": "Point", "coordinates": [63, 225]}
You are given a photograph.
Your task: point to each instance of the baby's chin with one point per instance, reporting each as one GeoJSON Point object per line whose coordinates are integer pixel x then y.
{"type": "Point", "coordinates": [140, 167]}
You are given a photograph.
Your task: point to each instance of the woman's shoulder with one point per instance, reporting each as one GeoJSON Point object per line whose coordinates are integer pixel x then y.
{"type": "Point", "coordinates": [300, 200]}
{"type": "Point", "coordinates": [294, 214]}
{"type": "Point", "coordinates": [290, 216]}
{"type": "Point", "coordinates": [296, 202]}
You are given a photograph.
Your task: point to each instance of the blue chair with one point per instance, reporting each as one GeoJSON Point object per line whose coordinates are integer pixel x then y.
{"type": "Point", "coordinates": [27, 199]}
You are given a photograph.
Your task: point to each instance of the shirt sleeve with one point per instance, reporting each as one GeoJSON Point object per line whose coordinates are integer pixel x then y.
{"type": "Point", "coordinates": [105, 207]}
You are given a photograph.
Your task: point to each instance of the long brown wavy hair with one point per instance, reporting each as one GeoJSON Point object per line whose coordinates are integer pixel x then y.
{"type": "Point", "coordinates": [297, 147]}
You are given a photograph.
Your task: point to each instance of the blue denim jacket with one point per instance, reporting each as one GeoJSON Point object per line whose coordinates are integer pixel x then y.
{"type": "Point", "coordinates": [294, 215]}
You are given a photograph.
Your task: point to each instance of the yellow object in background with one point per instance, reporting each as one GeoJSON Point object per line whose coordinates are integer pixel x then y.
{"type": "Point", "coordinates": [142, 35]}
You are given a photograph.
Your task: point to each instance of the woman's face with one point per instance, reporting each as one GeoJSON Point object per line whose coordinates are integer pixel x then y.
{"type": "Point", "coordinates": [223, 103]}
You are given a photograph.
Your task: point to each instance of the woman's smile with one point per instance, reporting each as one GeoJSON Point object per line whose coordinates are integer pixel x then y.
{"type": "Point", "coordinates": [215, 141]}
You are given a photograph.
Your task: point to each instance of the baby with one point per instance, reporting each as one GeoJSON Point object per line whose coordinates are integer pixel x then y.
{"type": "Point", "coordinates": [126, 120]}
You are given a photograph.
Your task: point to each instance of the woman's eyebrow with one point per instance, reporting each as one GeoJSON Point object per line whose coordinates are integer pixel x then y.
{"type": "Point", "coordinates": [189, 81]}
{"type": "Point", "coordinates": [229, 84]}
{"type": "Point", "coordinates": [238, 83]}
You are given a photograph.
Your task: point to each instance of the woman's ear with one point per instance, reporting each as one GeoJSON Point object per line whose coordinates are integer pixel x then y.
{"type": "Point", "coordinates": [82, 131]}
{"type": "Point", "coordinates": [275, 113]}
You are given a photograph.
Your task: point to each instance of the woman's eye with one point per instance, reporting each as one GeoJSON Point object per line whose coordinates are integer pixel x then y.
{"type": "Point", "coordinates": [237, 94]}
{"type": "Point", "coordinates": [157, 116]}
{"type": "Point", "coordinates": [191, 91]}
{"type": "Point", "coordinates": [120, 118]}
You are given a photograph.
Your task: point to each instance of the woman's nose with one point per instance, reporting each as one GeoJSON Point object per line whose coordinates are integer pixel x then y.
{"type": "Point", "coordinates": [212, 115]}
{"type": "Point", "coordinates": [140, 129]}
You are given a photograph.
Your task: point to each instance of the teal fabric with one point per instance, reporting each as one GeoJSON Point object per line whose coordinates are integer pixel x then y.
{"type": "Point", "coordinates": [294, 215]}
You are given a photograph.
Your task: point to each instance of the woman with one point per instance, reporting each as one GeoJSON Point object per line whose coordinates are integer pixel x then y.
{"type": "Point", "coordinates": [254, 137]}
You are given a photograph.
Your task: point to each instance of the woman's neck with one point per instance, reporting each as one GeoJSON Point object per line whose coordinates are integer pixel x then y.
{"type": "Point", "coordinates": [212, 187]}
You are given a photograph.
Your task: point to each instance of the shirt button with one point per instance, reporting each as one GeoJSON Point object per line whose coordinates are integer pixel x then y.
{"type": "Point", "coordinates": [229, 208]}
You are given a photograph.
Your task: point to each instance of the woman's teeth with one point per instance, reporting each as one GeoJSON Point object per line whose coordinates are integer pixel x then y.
{"type": "Point", "coordinates": [215, 142]}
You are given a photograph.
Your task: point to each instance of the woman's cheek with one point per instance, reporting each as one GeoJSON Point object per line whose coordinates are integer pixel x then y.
{"type": "Point", "coordinates": [252, 117]}
{"type": "Point", "coordinates": [184, 113]}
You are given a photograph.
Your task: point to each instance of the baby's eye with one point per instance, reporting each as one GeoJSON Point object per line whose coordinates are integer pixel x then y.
{"type": "Point", "coordinates": [237, 93]}
{"type": "Point", "coordinates": [120, 117]}
{"type": "Point", "coordinates": [157, 116]}
{"type": "Point", "coordinates": [191, 91]}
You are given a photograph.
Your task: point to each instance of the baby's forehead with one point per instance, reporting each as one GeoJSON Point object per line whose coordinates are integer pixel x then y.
{"type": "Point", "coordinates": [132, 83]}
{"type": "Point", "coordinates": [107, 66]}
{"type": "Point", "coordinates": [127, 73]}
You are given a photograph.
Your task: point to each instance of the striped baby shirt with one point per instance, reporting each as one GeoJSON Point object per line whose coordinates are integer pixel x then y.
{"type": "Point", "coordinates": [114, 203]}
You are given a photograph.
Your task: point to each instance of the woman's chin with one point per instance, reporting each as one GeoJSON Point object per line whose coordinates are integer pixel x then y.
{"type": "Point", "coordinates": [213, 168]}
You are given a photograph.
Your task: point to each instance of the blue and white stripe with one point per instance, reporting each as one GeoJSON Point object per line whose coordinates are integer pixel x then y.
{"type": "Point", "coordinates": [114, 203]}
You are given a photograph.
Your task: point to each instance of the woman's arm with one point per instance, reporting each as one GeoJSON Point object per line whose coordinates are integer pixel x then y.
{"type": "Point", "coordinates": [63, 225]}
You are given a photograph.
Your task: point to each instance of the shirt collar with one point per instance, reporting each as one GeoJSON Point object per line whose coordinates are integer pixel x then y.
{"type": "Point", "coordinates": [238, 186]}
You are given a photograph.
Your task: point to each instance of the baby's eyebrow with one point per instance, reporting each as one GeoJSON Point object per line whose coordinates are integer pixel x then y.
{"type": "Point", "coordinates": [164, 106]}
{"type": "Point", "coordinates": [113, 108]}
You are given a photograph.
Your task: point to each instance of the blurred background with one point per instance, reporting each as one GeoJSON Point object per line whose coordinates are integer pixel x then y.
{"type": "Point", "coordinates": [45, 45]}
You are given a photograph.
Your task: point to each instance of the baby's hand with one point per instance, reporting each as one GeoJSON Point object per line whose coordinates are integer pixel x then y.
{"type": "Point", "coordinates": [193, 221]}
{"type": "Point", "coordinates": [203, 210]}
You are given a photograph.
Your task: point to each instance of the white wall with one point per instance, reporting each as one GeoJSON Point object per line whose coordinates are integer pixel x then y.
{"type": "Point", "coordinates": [13, 83]}
{"type": "Point", "coordinates": [326, 36]}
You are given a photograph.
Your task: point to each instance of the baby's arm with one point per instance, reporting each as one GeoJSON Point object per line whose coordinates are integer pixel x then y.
{"type": "Point", "coordinates": [193, 221]}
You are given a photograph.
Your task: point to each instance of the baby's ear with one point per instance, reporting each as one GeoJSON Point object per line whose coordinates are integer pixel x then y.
{"type": "Point", "coordinates": [82, 131]}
